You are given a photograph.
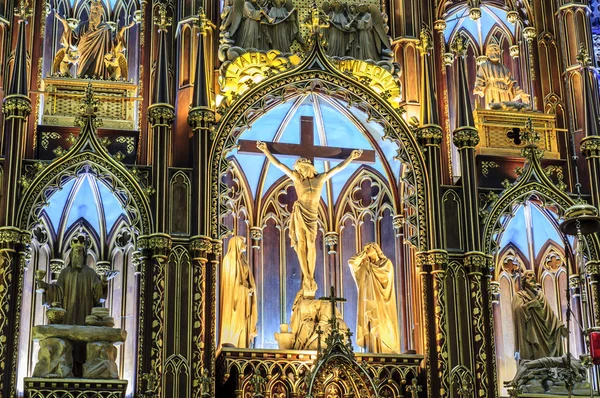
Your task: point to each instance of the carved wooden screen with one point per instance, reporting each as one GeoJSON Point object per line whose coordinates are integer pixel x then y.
{"type": "Point", "coordinates": [357, 206]}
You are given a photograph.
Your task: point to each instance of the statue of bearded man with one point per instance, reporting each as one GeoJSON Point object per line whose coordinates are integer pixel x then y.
{"type": "Point", "coordinates": [79, 288]}
{"type": "Point", "coordinates": [538, 331]}
{"type": "Point", "coordinates": [495, 82]}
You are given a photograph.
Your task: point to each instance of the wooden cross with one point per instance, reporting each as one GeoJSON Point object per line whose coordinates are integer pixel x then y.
{"type": "Point", "coordinates": [307, 148]}
{"type": "Point", "coordinates": [332, 299]}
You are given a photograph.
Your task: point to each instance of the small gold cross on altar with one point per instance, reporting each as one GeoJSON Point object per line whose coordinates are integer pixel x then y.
{"type": "Point", "coordinates": [414, 389]}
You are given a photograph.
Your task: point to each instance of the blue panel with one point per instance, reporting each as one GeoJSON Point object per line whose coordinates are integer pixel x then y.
{"type": "Point", "coordinates": [340, 131]}
{"type": "Point", "coordinates": [251, 166]}
{"type": "Point", "coordinates": [453, 21]}
{"type": "Point", "coordinates": [266, 126]}
{"type": "Point", "coordinates": [57, 204]}
{"type": "Point", "coordinates": [516, 232]}
{"type": "Point", "coordinates": [84, 206]}
{"type": "Point", "coordinates": [111, 205]}
{"type": "Point", "coordinates": [501, 14]}
{"type": "Point", "coordinates": [543, 230]}
{"type": "Point", "coordinates": [340, 179]}
{"type": "Point", "coordinates": [274, 173]}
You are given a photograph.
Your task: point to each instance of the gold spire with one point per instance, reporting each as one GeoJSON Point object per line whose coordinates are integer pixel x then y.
{"type": "Point", "coordinates": [459, 45]}
{"type": "Point", "coordinates": [162, 20]}
{"type": "Point", "coordinates": [204, 24]}
{"type": "Point", "coordinates": [583, 57]}
{"type": "Point", "coordinates": [23, 10]}
{"type": "Point", "coordinates": [426, 41]}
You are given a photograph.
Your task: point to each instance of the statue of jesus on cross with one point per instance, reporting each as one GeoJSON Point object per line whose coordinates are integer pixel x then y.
{"type": "Point", "coordinates": [303, 225]}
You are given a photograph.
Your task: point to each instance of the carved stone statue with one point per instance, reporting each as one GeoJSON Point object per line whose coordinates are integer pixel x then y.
{"type": "Point", "coordinates": [377, 322]}
{"type": "Point", "coordinates": [340, 35]}
{"type": "Point", "coordinates": [94, 44]}
{"type": "Point", "coordinates": [303, 225]}
{"type": "Point", "coordinates": [495, 82]}
{"type": "Point", "coordinates": [239, 313]}
{"type": "Point", "coordinates": [372, 41]}
{"type": "Point", "coordinates": [284, 28]}
{"type": "Point", "coordinates": [67, 56]}
{"type": "Point", "coordinates": [243, 25]}
{"type": "Point", "coordinates": [79, 288]}
{"type": "Point", "coordinates": [538, 331]}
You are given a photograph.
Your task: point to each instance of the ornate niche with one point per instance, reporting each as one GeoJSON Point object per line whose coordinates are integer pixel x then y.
{"type": "Point", "coordinates": [73, 57]}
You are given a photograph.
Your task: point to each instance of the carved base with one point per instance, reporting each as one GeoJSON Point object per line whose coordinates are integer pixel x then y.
{"type": "Point", "coordinates": [55, 359]}
{"type": "Point", "coordinates": [74, 388]}
{"type": "Point", "coordinates": [307, 315]}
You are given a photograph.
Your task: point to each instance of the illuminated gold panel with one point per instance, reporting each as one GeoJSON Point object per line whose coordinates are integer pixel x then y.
{"type": "Point", "coordinates": [499, 131]}
{"type": "Point", "coordinates": [62, 98]}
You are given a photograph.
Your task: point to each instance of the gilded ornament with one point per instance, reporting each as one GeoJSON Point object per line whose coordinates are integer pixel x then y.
{"type": "Point", "coordinates": [515, 51]}
{"type": "Point", "coordinates": [466, 137]}
{"type": "Point", "coordinates": [529, 34]}
{"type": "Point", "coordinates": [440, 25]}
{"type": "Point", "coordinates": [448, 59]}
{"type": "Point", "coordinates": [16, 106]}
{"type": "Point", "coordinates": [486, 166]}
{"type": "Point", "coordinates": [512, 17]}
{"type": "Point", "coordinates": [590, 147]}
{"type": "Point", "coordinates": [592, 267]}
{"type": "Point", "coordinates": [430, 135]}
{"type": "Point", "coordinates": [459, 45]}
{"type": "Point", "coordinates": [201, 118]}
{"type": "Point", "coordinates": [161, 115]}
{"type": "Point", "coordinates": [201, 244]}
{"type": "Point", "coordinates": [583, 57]}
{"type": "Point", "coordinates": [161, 19]}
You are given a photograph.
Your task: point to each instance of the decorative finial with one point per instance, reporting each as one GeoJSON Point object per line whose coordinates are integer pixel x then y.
{"type": "Point", "coordinates": [317, 20]}
{"type": "Point", "coordinates": [426, 41]}
{"type": "Point", "coordinates": [459, 45]}
{"type": "Point", "coordinates": [23, 11]}
{"type": "Point", "coordinates": [162, 20]}
{"type": "Point", "coordinates": [529, 135]}
{"type": "Point", "coordinates": [583, 57]}
{"type": "Point", "coordinates": [88, 108]}
{"type": "Point", "coordinates": [204, 24]}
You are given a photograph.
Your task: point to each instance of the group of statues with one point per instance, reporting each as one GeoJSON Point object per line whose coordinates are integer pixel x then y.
{"type": "Point", "coordinates": [377, 323]}
{"type": "Point", "coordinates": [260, 25]}
{"type": "Point", "coordinates": [96, 47]}
{"type": "Point", "coordinates": [354, 30]}
{"type": "Point", "coordinates": [358, 31]}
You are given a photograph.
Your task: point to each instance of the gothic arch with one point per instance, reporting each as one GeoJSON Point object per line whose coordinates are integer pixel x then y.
{"type": "Point", "coordinates": [315, 73]}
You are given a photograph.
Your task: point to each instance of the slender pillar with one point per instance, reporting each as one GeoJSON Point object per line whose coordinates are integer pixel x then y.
{"type": "Point", "coordinates": [590, 145]}
{"type": "Point", "coordinates": [155, 248]}
{"type": "Point", "coordinates": [433, 263]}
{"type": "Point", "coordinates": [201, 118]}
{"type": "Point", "coordinates": [477, 264]}
{"type": "Point", "coordinates": [13, 242]}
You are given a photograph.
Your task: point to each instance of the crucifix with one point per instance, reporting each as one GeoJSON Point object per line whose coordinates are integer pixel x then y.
{"type": "Point", "coordinates": [333, 300]}
{"type": "Point", "coordinates": [307, 148]}
{"type": "Point", "coordinates": [308, 184]}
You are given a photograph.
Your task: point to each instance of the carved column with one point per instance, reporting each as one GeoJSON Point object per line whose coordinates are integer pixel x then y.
{"type": "Point", "coordinates": [466, 138]}
{"type": "Point", "coordinates": [201, 250]}
{"type": "Point", "coordinates": [593, 270]}
{"type": "Point", "coordinates": [432, 271]}
{"type": "Point", "coordinates": [154, 254]}
{"type": "Point", "coordinates": [13, 242]}
{"type": "Point", "coordinates": [331, 243]}
{"type": "Point", "coordinates": [201, 118]}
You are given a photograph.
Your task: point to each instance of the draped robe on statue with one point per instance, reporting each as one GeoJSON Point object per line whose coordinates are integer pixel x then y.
{"type": "Point", "coordinates": [93, 45]}
{"type": "Point", "coordinates": [239, 314]}
{"type": "Point", "coordinates": [303, 224]}
{"type": "Point", "coordinates": [251, 33]}
{"type": "Point", "coordinates": [284, 28]}
{"type": "Point", "coordinates": [377, 323]}
{"type": "Point", "coordinates": [537, 330]}
{"type": "Point", "coordinates": [497, 82]}
{"type": "Point", "coordinates": [78, 290]}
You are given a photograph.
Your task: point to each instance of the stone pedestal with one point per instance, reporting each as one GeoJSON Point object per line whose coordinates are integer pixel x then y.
{"type": "Point", "coordinates": [72, 388]}
{"type": "Point", "coordinates": [307, 315]}
{"type": "Point", "coordinates": [56, 346]}
{"type": "Point", "coordinates": [55, 359]}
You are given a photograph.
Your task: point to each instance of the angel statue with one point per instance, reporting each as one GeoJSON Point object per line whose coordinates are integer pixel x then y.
{"type": "Point", "coordinates": [340, 34]}
{"type": "Point", "coordinates": [284, 29]}
{"type": "Point", "coordinates": [67, 56]}
{"type": "Point", "coordinates": [116, 61]}
{"type": "Point", "coordinates": [373, 42]}
{"type": "Point", "coordinates": [243, 27]}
